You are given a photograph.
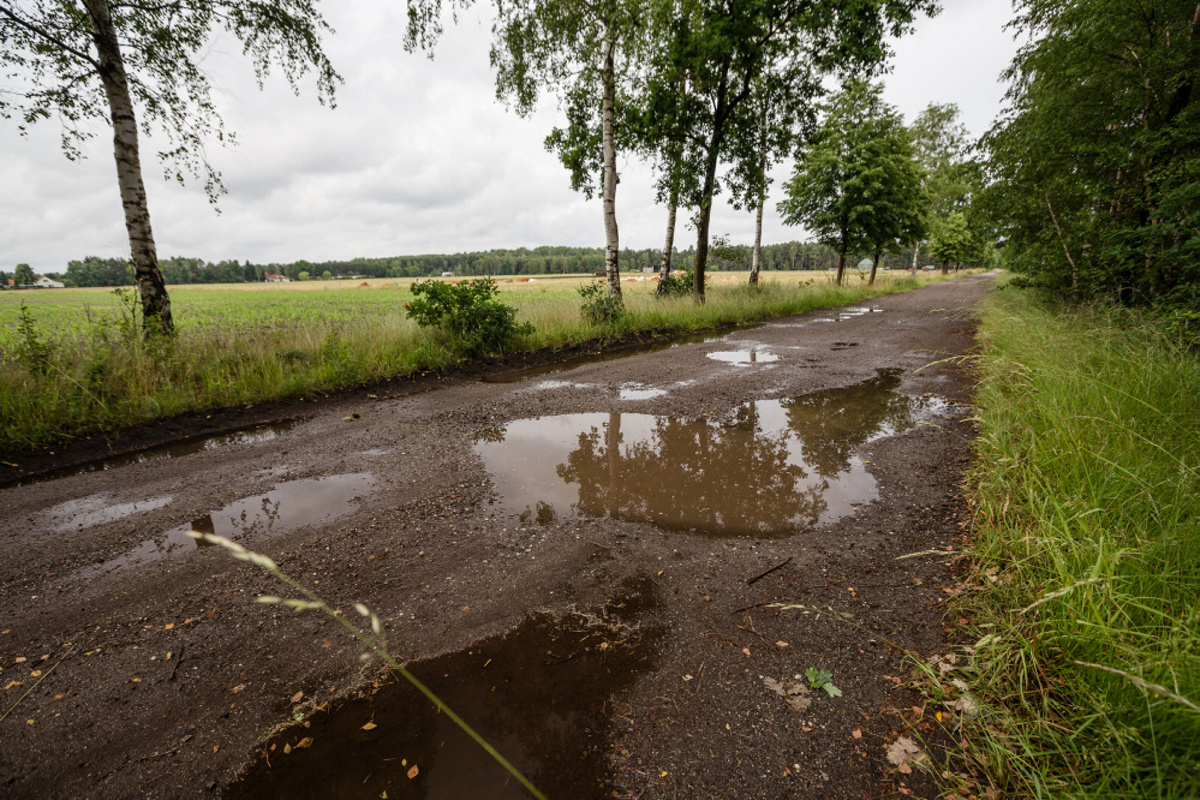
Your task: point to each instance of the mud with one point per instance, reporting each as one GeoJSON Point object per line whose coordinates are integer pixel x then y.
{"type": "Point", "coordinates": [126, 676]}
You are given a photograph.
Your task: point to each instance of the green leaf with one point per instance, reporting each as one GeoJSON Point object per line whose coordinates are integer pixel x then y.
{"type": "Point", "coordinates": [822, 679]}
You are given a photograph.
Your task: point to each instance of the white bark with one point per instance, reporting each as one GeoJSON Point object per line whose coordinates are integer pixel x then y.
{"type": "Point", "coordinates": [756, 258]}
{"type": "Point", "coordinates": [156, 305]}
{"type": "Point", "coordinates": [607, 117]}
{"type": "Point", "coordinates": [151, 288]}
{"type": "Point", "coordinates": [664, 269]}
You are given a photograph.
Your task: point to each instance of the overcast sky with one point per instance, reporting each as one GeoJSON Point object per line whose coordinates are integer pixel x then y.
{"type": "Point", "coordinates": [418, 156]}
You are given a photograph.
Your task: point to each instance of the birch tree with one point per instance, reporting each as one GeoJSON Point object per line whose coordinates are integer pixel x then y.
{"type": "Point", "coordinates": [85, 60]}
{"type": "Point", "coordinates": [582, 50]}
{"type": "Point", "coordinates": [734, 51]}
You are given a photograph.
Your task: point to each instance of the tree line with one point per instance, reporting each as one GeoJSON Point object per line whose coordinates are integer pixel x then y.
{"type": "Point", "coordinates": [1094, 169]}
{"type": "Point", "coordinates": [711, 92]}
{"type": "Point", "coordinates": [112, 271]}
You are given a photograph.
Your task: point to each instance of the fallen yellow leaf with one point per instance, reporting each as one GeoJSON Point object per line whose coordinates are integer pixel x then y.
{"type": "Point", "coordinates": [370, 726]}
{"type": "Point", "coordinates": [168, 626]}
{"type": "Point", "coordinates": [857, 733]}
{"type": "Point", "coordinates": [304, 743]}
{"type": "Point", "coordinates": [412, 773]}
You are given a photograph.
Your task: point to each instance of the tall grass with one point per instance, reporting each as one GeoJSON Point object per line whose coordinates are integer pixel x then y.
{"type": "Point", "coordinates": [1087, 512]}
{"type": "Point", "coordinates": [238, 346]}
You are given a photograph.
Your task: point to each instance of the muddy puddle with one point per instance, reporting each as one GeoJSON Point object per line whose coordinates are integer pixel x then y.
{"type": "Point", "coordinates": [540, 694]}
{"type": "Point", "coordinates": [96, 509]}
{"type": "Point", "coordinates": [289, 505]}
{"type": "Point", "coordinates": [744, 356]}
{"type": "Point", "coordinates": [254, 434]}
{"type": "Point", "coordinates": [774, 469]}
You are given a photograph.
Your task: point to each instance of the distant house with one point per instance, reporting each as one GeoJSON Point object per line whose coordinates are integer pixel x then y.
{"type": "Point", "coordinates": [271, 277]}
{"type": "Point", "coordinates": [46, 283]}
{"type": "Point", "coordinates": [447, 274]}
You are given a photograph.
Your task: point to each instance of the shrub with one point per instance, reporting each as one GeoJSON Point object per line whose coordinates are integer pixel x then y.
{"type": "Point", "coordinates": [598, 306]}
{"type": "Point", "coordinates": [676, 285]}
{"type": "Point", "coordinates": [470, 312]}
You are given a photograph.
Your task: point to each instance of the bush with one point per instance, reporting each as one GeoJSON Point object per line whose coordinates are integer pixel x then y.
{"type": "Point", "coordinates": [676, 285]}
{"type": "Point", "coordinates": [598, 306]}
{"type": "Point", "coordinates": [479, 323]}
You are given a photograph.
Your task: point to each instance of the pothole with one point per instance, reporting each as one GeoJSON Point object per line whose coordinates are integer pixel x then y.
{"type": "Point", "coordinates": [288, 506]}
{"type": "Point", "coordinates": [541, 694]}
{"type": "Point", "coordinates": [97, 509]}
{"type": "Point", "coordinates": [776, 468]}
{"type": "Point", "coordinates": [632, 392]}
{"type": "Point", "coordinates": [753, 355]}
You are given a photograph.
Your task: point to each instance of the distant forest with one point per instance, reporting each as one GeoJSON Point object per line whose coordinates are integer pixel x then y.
{"type": "Point", "coordinates": [95, 271]}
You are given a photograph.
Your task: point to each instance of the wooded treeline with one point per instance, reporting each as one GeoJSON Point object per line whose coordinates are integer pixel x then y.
{"type": "Point", "coordinates": [96, 271]}
{"type": "Point", "coordinates": [1094, 170]}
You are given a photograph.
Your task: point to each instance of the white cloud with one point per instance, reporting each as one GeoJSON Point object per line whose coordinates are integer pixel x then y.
{"type": "Point", "coordinates": [418, 156]}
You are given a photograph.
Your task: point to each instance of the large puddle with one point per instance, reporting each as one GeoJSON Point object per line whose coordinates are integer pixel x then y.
{"type": "Point", "coordinates": [539, 694]}
{"type": "Point", "coordinates": [254, 434]}
{"type": "Point", "coordinates": [288, 506]}
{"type": "Point", "coordinates": [777, 468]}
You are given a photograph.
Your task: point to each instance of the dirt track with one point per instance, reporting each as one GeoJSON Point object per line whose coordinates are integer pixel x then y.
{"type": "Point", "coordinates": [652, 668]}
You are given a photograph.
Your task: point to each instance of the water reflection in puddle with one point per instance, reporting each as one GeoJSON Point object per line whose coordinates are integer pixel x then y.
{"type": "Point", "coordinates": [743, 357]}
{"type": "Point", "coordinates": [254, 434]}
{"type": "Point", "coordinates": [288, 506]}
{"type": "Point", "coordinates": [777, 468]}
{"type": "Point", "coordinates": [539, 694]}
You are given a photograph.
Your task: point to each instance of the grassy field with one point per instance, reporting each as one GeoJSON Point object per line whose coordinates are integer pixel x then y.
{"type": "Point", "coordinates": [1087, 595]}
{"type": "Point", "coordinates": [72, 363]}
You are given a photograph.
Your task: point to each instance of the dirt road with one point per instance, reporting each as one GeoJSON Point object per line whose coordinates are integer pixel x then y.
{"type": "Point", "coordinates": [582, 561]}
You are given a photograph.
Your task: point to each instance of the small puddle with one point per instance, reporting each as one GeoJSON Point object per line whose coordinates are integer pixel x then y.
{"type": "Point", "coordinates": [638, 392]}
{"type": "Point", "coordinates": [743, 357]}
{"type": "Point", "coordinates": [540, 694]}
{"type": "Point", "coordinates": [288, 506]}
{"type": "Point", "coordinates": [87, 512]}
{"type": "Point", "coordinates": [254, 434]}
{"type": "Point", "coordinates": [778, 467]}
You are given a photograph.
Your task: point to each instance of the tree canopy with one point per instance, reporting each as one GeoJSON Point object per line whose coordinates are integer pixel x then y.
{"type": "Point", "coordinates": [1094, 164]}
{"type": "Point", "coordinates": [857, 185]}
{"type": "Point", "coordinates": [739, 58]}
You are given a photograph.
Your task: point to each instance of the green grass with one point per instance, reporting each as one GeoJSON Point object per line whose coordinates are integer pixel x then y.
{"type": "Point", "coordinates": [81, 369]}
{"type": "Point", "coordinates": [1087, 514]}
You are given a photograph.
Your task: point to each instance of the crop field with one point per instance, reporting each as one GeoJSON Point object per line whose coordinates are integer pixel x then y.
{"type": "Point", "coordinates": [258, 310]}
{"type": "Point", "coordinates": [72, 361]}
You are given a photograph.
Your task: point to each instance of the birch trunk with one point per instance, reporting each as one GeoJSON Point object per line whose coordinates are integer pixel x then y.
{"type": "Point", "coordinates": [664, 269]}
{"type": "Point", "coordinates": [607, 116]}
{"type": "Point", "coordinates": [916, 255]}
{"type": "Point", "coordinates": [756, 258]}
{"type": "Point", "coordinates": [156, 305]}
